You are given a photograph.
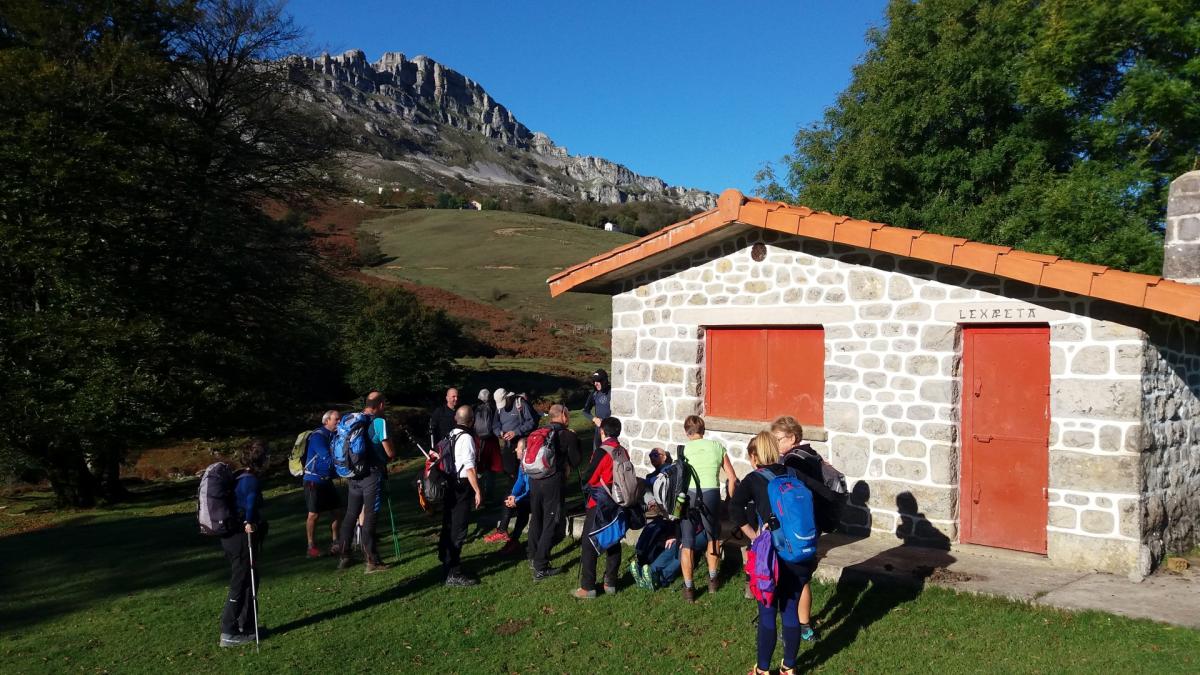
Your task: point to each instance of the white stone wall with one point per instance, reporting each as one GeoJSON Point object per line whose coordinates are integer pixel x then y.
{"type": "Point", "coordinates": [892, 369]}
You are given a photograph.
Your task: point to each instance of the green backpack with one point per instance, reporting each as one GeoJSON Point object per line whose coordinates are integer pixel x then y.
{"type": "Point", "coordinates": [296, 459]}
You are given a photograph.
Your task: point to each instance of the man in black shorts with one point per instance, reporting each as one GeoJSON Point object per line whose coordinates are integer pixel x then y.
{"type": "Point", "coordinates": [320, 496]}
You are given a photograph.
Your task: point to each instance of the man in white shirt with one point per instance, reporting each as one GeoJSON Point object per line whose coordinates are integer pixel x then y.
{"type": "Point", "coordinates": [463, 483]}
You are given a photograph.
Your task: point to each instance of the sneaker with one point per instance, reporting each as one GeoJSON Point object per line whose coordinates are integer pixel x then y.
{"type": "Point", "coordinates": [635, 571]}
{"type": "Point", "coordinates": [496, 536]}
{"type": "Point", "coordinates": [373, 567]}
{"type": "Point", "coordinates": [345, 563]}
{"type": "Point", "coordinates": [235, 639]}
{"type": "Point", "coordinates": [807, 633]}
{"type": "Point", "coordinates": [510, 547]}
{"type": "Point", "coordinates": [784, 670]}
{"type": "Point", "coordinates": [610, 590]}
{"type": "Point", "coordinates": [647, 577]}
{"type": "Point", "coordinates": [689, 595]}
{"type": "Point", "coordinates": [460, 581]}
{"type": "Point", "coordinates": [546, 573]}
{"type": "Point", "coordinates": [314, 552]}
{"type": "Point", "coordinates": [713, 585]}
{"type": "Point", "coordinates": [580, 594]}
{"type": "Point", "coordinates": [334, 550]}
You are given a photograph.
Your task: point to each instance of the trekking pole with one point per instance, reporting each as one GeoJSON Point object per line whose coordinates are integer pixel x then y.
{"type": "Point", "coordinates": [392, 518]}
{"type": "Point", "coordinates": [253, 589]}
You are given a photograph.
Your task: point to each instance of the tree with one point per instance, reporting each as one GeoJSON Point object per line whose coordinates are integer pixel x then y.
{"type": "Point", "coordinates": [142, 289]}
{"type": "Point", "coordinates": [392, 343]}
{"type": "Point", "coordinates": [1053, 126]}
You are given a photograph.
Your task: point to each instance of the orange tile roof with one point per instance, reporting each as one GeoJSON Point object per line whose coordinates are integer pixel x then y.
{"type": "Point", "coordinates": [1136, 290]}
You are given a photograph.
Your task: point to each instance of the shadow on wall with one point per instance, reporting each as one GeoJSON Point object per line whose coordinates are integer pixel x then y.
{"type": "Point", "coordinates": [867, 591]}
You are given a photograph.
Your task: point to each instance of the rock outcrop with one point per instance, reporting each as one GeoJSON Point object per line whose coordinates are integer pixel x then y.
{"type": "Point", "coordinates": [400, 109]}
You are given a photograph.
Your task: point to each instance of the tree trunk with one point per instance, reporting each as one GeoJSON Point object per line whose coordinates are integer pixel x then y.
{"type": "Point", "coordinates": [108, 472]}
{"type": "Point", "coordinates": [70, 479]}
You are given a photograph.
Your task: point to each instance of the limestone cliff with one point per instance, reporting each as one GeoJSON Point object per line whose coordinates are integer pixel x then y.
{"type": "Point", "coordinates": [417, 119]}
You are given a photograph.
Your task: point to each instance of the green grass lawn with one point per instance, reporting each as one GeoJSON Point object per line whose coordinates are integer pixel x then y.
{"type": "Point", "coordinates": [134, 589]}
{"type": "Point", "coordinates": [483, 254]}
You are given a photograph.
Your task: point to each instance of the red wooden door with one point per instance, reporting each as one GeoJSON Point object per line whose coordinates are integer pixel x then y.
{"type": "Point", "coordinates": [1005, 437]}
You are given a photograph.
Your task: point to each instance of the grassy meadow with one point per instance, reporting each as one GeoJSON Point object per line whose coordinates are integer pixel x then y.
{"type": "Point", "coordinates": [496, 257]}
{"type": "Point", "coordinates": [134, 589]}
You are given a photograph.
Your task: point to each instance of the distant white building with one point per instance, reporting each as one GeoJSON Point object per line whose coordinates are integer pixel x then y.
{"type": "Point", "coordinates": [611, 227]}
{"type": "Point", "coordinates": [474, 206]}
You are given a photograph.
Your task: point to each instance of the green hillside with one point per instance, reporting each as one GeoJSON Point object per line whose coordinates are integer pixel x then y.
{"type": "Point", "coordinates": [497, 257]}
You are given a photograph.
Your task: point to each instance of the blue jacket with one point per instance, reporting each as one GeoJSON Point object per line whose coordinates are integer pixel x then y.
{"type": "Point", "coordinates": [520, 489]}
{"type": "Point", "coordinates": [318, 457]}
{"type": "Point", "coordinates": [599, 404]}
{"type": "Point", "coordinates": [521, 421]}
{"type": "Point", "coordinates": [249, 497]}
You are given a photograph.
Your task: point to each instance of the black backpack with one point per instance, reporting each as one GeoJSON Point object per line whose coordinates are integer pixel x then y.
{"type": "Point", "coordinates": [435, 480]}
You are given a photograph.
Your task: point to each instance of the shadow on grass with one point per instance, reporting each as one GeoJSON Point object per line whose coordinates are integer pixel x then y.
{"type": "Point", "coordinates": [870, 590]}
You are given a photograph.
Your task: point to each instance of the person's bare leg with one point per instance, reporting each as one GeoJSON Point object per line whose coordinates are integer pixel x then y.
{"type": "Point", "coordinates": [686, 560]}
{"type": "Point", "coordinates": [713, 553]}
{"type": "Point", "coordinates": [804, 607]}
{"type": "Point", "coordinates": [310, 527]}
{"type": "Point", "coordinates": [333, 527]}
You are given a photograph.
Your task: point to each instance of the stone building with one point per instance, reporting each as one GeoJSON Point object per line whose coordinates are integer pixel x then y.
{"type": "Point", "coordinates": [971, 393]}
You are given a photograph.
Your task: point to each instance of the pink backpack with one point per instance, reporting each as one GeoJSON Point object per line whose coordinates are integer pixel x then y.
{"type": "Point", "coordinates": [763, 567]}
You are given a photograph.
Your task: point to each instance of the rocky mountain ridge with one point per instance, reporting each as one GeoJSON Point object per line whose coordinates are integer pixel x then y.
{"type": "Point", "coordinates": [416, 119]}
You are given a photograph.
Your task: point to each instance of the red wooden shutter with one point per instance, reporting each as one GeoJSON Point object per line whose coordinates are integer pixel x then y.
{"type": "Point", "coordinates": [762, 373]}
{"type": "Point", "coordinates": [735, 385]}
{"type": "Point", "coordinates": [796, 374]}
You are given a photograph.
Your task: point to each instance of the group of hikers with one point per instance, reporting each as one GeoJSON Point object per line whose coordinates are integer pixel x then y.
{"type": "Point", "coordinates": [678, 506]}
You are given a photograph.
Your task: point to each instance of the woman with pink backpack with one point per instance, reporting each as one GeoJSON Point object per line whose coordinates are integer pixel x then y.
{"type": "Point", "coordinates": [750, 503]}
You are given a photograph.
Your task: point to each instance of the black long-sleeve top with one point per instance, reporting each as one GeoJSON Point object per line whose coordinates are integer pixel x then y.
{"type": "Point", "coordinates": [753, 488]}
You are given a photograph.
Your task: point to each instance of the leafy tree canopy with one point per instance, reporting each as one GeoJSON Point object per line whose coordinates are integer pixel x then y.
{"type": "Point", "coordinates": [1054, 126]}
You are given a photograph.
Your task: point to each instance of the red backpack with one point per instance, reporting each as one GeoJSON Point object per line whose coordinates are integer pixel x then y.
{"type": "Point", "coordinates": [540, 449]}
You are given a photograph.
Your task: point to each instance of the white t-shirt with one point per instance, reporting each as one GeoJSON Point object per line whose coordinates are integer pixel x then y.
{"type": "Point", "coordinates": [464, 453]}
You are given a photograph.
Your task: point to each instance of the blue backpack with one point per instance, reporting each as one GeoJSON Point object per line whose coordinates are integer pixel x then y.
{"type": "Point", "coordinates": [794, 530]}
{"type": "Point", "coordinates": [352, 446]}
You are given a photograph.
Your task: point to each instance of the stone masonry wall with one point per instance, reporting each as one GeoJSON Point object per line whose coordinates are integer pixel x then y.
{"type": "Point", "coordinates": [1171, 461]}
{"type": "Point", "coordinates": [892, 370]}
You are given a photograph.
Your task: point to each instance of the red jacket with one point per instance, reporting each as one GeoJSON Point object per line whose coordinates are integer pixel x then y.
{"type": "Point", "coordinates": [602, 473]}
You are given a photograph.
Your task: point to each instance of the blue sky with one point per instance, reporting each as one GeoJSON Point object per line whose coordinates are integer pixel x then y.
{"type": "Point", "coordinates": [697, 93]}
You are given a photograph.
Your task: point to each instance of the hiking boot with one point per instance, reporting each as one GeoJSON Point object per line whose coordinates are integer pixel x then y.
{"type": "Point", "coordinates": [580, 594]}
{"type": "Point", "coordinates": [510, 547]}
{"type": "Point", "coordinates": [460, 581]}
{"type": "Point", "coordinates": [373, 567]}
{"type": "Point", "coordinates": [689, 595]}
{"type": "Point", "coordinates": [235, 639]}
{"type": "Point", "coordinates": [345, 563]}
{"type": "Point", "coordinates": [807, 633]}
{"type": "Point", "coordinates": [546, 573]}
{"type": "Point", "coordinates": [647, 577]}
{"type": "Point", "coordinates": [314, 552]}
{"type": "Point", "coordinates": [713, 585]}
{"type": "Point", "coordinates": [635, 571]}
{"type": "Point", "coordinates": [784, 670]}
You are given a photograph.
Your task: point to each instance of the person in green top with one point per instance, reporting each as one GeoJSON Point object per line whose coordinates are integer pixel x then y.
{"type": "Point", "coordinates": [708, 458]}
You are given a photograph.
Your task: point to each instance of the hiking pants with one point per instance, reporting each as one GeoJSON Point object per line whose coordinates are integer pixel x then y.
{"type": "Point", "coordinates": [521, 512]}
{"type": "Point", "coordinates": [238, 614]}
{"type": "Point", "coordinates": [455, 513]}
{"type": "Point", "coordinates": [365, 495]}
{"type": "Point", "coordinates": [545, 502]}
{"type": "Point", "coordinates": [665, 566]}
{"type": "Point", "coordinates": [588, 557]}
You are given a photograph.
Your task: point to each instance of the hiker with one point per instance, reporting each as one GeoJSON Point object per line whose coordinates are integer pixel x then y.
{"type": "Point", "coordinates": [515, 421]}
{"type": "Point", "coordinates": [237, 617]}
{"type": "Point", "coordinates": [365, 495]}
{"type": "Point", "coordinates": [656, 554]}
{"type": "Point", "coordinates": [598, 476]}
{"type": "Point", "coordinates": [320, 496]}
{"type": "Point", "coordinates": [599, 403]}
{"type": "Point", "coordinates": [707, 458]}
{"type": "Point", "coordinates": [462, 494]}
{"type": "Point", "coordinates": [441, 418]}
{"type": "Point", "coordinates": [805, 461]}
{"type": "Point", "coordinates": [659, 460]}
{"type": "Point", "coordinates": [750, 504]}
{"type": "Point", "coordinates": [765, 439]}
{"type": "Point", "coordinates": [517, 502]}
{"type": "Point", "coordinates": [487, 433]}
{"type": "Point", "coordinates": [546, 494]}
